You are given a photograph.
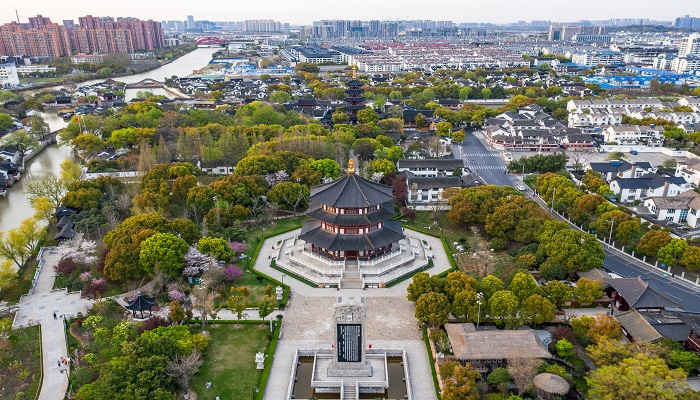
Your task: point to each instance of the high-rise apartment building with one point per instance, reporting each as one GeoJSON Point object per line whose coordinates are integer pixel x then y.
{"type": "Point", "coordinates": [687, 22]}
{"type": "Point", "coordinates": [689, 45]}
{"type": "Point", "coordinates": [190, 22]}
{"type": "Point", "coordinates": [42, 38]}
{"type": "Point", "coordinates": [567, 32]}
{"type": "Point", "coordinates": [262, 25]}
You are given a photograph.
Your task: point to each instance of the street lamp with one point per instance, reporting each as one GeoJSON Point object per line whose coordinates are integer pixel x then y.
{"type": "Point", "coordinates": [255, 391]}
{"type": "Point", "coordinates": [612, 223]}
{"type": "Point", "coordinates": [479, 296]}
{"type": "Point", "coordinates": [554, 191]}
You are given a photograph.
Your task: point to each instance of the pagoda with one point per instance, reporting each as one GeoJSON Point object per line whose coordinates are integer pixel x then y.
{"type": "Point", "coordinates": [355, 97]}
{"type": "Point", "coordinates": [351, 219]}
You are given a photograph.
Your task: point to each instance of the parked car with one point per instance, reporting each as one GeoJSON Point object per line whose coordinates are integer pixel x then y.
{"type": "Point", "coordinates": [521, 187]}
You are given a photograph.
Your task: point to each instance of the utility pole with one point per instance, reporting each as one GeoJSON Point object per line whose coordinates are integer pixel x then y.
{"type": "Point", "coordinates": [612, 223]}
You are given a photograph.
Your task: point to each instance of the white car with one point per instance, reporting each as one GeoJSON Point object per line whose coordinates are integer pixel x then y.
{"type": "Point", "coordinates": [521, 187]}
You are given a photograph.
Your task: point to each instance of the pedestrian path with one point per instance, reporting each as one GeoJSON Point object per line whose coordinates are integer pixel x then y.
{"type": "Point", "coordinates": [475, 167]}
{"type": "Point", "coordinates": [48, 308]}
{"type": "Point", "coordinates": [490, 154]}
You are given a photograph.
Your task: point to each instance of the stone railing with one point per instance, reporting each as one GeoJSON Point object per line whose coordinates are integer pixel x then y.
{"type": "Point", "coordinates": [380, 259]}
{"type": "Point", "coordinates": [321, 258]}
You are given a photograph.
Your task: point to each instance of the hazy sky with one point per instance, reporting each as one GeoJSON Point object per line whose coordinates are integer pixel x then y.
{"type": "Point", "coordinates": [305, 11]}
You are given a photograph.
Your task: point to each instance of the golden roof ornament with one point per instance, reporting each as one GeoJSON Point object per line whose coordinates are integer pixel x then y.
{"type": "Point", "coordinates": [351, 167]}
{"type": "Point", "coordinates": [354, 72]}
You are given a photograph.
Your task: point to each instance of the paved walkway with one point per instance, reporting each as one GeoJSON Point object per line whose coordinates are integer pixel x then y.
{"type": "Point", "coordinates": [390, 322]}
{"type": "Point", "coordinates": [40, 308]}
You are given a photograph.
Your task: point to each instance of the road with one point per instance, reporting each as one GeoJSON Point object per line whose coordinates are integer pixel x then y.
{"type": "Point", "coordinates": [490, 166]}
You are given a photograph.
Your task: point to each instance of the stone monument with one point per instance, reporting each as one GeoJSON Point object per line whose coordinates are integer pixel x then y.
{"type": "Point", "coordinates": [350, 336]}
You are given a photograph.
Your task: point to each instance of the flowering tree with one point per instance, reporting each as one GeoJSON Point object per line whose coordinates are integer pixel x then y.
{"type": "Point", "coordinates": [238, 247]}
{"type": "Point", "coordinates": [196, 262]}
{"type": "Point", "coordinates": [232, 273]}
{"type": "Point", "coordinates": [276, 177]}
{"type": "Point", "coordinates": [80, 251]}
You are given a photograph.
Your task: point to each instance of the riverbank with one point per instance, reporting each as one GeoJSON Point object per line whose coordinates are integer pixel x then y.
{"type": "Point", "coordinates": [92, 77]}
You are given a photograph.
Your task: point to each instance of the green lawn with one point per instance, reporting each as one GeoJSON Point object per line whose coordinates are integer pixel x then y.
{"type": "Point", "coordinates": [229, 361]}
{"type": "Point", "coordinates": [279, 226]}
{"type": "Point", "coordinates": [256, 285]}
{"type": "Point", "coordinates": [41, 80]}
{"type": "Point", "coordinates": [20, 364]}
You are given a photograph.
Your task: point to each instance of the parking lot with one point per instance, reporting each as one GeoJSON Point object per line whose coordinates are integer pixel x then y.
{"type": "Point", "coordinates": [585, 157]}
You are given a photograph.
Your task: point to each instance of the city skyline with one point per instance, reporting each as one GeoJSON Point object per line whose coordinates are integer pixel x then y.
{"type": "Point", "coordinates": [303, 12]}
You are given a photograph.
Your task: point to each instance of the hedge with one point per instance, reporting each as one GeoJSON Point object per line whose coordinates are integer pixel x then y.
{"type": "Point", "coordinates": [273, 264]}
{"type": "Point", "coordinates": [251, 265]}
{"type": "Point", "coordinates": [268, 361]}
{"type": "Point", "coordinates": [424, 329]}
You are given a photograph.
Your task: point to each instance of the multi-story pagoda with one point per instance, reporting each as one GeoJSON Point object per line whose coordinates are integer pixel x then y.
{"type": "Point", "coordinates": [355, 97]}
{"type": "Point", "coordinates": [351, 219]}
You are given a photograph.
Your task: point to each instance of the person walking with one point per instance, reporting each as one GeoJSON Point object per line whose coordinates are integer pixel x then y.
{"type": "Point", "coordinates": [54, 315]}
{"type": "Point", "coordinates": [59, 363]}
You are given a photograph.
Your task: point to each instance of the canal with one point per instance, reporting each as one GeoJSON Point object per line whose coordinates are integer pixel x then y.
{"type": "Point", "coordinates": [15, 207]}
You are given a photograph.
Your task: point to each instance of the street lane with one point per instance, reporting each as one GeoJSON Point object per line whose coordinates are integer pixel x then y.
{"type": "Point", "coordinates": [487, 160]}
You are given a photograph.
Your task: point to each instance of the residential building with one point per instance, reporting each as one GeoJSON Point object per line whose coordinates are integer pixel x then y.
{"type": "Point", "coordinates": [687, 22]}
{"type": "Point", "coordinates": [431, 167]}
{"type": "Point", "coordinates": [652, 326]}
{"type": "Point", "coordinates": [686, 64]}
{"type": "Point", "coordinates": [690, 45]}
{"type": "Point", "coordinates": [681, 209]}
{"type": "Point", "coordinates": [262, 25]}
{"type": "Point", "coordinates": [8, 73]}
{"type": "Point", "coordinates": [431, 189]}
{"type": "Point", "coordinates": [690, 170]}
{"type": "Point", "coordinates": [621, 169]}
{"type": "Point", "coordinates": [629, 190]}
{"type": "Point", "coordinates": [652, 136]}
{"type": "Point", "coordinates": [593, 58]}
{"type": "Point", "coordinates": [86, 58]}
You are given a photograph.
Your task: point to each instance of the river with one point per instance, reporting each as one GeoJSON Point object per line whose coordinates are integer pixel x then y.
{"type": "Point", "coordinates": [183, 66]}
{"type": "Point", "coordinates": [15, 207]}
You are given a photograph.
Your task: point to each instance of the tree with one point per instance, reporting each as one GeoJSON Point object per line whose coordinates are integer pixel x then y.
{"type": "Point", "coordinates": [420, 120]}
{"type": "Point", "coordinates": [462, 385]}
{"type": "Point", "coordinates": [691, 257]}
{"type": "Point", "coordinates": [215, 247]}
{"type": "Point", "coordinates": [457, 282]}
{"type": "Point", "coordinates": [637, 377]}
{"type": "Point", "coordinates": [22, 140]}
{"type": "Point", "coordinates": [423, 283]}
{"type": "Point", "coordinates": [458, 136]}
{"type": "Point", "coordinates": [573, 250]}
{"type": "Point", "coordinates": [391, 125]}
{"type": "Point", "coordinates": [18, 244]}
{"type": "Point", "coordinates": [8, 274]}
{"type": "Point", "coordinates": [238, 301]}
{"type": "Point", "coordinates": [538, 309]}
{"type": "Point", "coordinates": [266, 306]}
{"type": "Point", "coordinates": [557, 292]}
{"type": "Point", "coordinates": [688, 361]}
{"type": "Point", "coordinates": [668, 255]}
{"type": "Point", "coordinates": [176, 312]}
{"type": "Point", "coordinates": [499, 376]}
{"type": "Point", "coordinates": [604, 327]}
{"type": "Point", "coordinates": [6, 122]}
{"type": "Point", "coordinates": [163, 251]}
{"type": "Point", "coordinates": [51, 187]}
{"type": "Point", "coordinates": [279, 96]}
{"type": "Point", "coordinates": [326, 167]}
{"type": "Point", "coordinates": [339, 117]}
{"type": "Point", "coordinates": [652, 241]}
{"type": "Point", "coordinates": [522, 368]}
{"type": "Point", "coordinates": [204, 303]}
{"type": "Point", "coordinates": [432, 309]}
{"type": "Point", "coordinates": [490, 285]}
{"type": "Point", "coordinates": [523, 286]}
{"type": "Point", "coordinates": [465, 306]}
{"type": "Point", "coordinates": [367, 116]}
{"type": "Point", "coordinates": [381, 166]}
{"type": "Point", "coordinates": [289, 194]}
{"type": "Point", "coordinates": [565, 349]}
{"type": "Point", "coordinates": [145, 161]}
{"type": "Point", "coordinates": [444, 129]}
{"type": "Point", "coordinates": [587, 291]}
{"type": "Point", "coordinates": [183, 367]}
{"type": "Point", "coordinates": [503, 306]}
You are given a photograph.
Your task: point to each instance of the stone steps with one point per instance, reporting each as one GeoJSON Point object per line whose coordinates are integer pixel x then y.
{"type": "Point", "coordinates": [351, 283]}
{"type": "Point", "coordinates": [349, 392]}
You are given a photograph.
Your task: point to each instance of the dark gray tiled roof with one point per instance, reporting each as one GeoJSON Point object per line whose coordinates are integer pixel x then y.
{"type": "Point", "coordinates": [353, 219]}
{"type": "Point", "coordinates": [351, 191]}
{"type": "Point", "coordinates": [639, 294]}
{"type": "Point", "coordinates": [311, 232]}
{"type": "Point", "coordinates": [437, 182]}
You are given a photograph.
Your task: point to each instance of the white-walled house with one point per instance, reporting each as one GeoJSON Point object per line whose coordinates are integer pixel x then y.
{"type": "Point", "coordinates": [682, 209]}
{"type": "Point", "coordinates": [629, 190]}
{"type": "Point", "coordinates": [690, 170]}
{"type": "Point", "coordinates": [431, 167]}
{"type": "Point", "coordinates": [652, 136]}
{"type": "Point", "coordinates": [621, 169]}
{"type": "Point", "coordinates": [423, 190]}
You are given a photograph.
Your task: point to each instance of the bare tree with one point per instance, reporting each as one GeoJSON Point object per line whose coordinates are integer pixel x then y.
{"type": "Point", "coordinates": [522, 368]}
{"type": "Point", "coordinates": [204, 303]}
{"type": "Point", "coordinates": [183, 367]}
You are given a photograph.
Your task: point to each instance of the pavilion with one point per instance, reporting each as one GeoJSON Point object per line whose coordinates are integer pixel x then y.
{"type": "Point", "coordinates": [141, 303]}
